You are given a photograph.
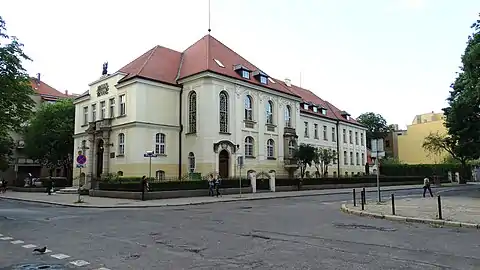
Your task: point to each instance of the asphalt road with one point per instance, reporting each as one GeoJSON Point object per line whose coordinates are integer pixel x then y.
{"type": "Point", "coordinates": [292, 233]}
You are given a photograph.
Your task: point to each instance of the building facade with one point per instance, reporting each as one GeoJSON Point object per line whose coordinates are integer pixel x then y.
{"type": "Point", "coordinates": [22, 165]}
{"type": "Point", "coordinates": [199, 110]}
{"type": "Point", "coordinates": [410, 142]}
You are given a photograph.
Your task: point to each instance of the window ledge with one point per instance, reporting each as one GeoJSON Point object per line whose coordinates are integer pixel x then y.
{"type": "Point", "coordinates": [190, 133]}
{"type": "Point", "coordinates": [161, 155]}
{"type": "Point", "coordinates": [271, 158]}
{"type": "Point", "coordinates": [121, 155]}
{"type": "Point", "coordinates": [249, 121]}
{"type": "Point", "coordinates": [225, 133]}
{"type": "Point", "coordinates": [270, 125]}
{"type": "Point", "coordinates": [84, 125]}
{"type": "Point", "coordinates": [121, 116]}
{"type": "Point", "coordinates": [316, 138]}
{"type": "Point", "coordinates": [250, 157]}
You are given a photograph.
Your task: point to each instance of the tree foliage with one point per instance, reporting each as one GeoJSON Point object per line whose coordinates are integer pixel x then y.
{"type": "Point", "coordinates": [305, 155]}
{"type": "Point", "coordinates": [376, 125]}
{"type": "Point", "coordinates": [462, 116]}
{"type": "Point", "coordinates": [48, 138]}
{"type": "Point", "coordinates": [323, 158]}
{"type": "Point", "coordinates": [15, 103]}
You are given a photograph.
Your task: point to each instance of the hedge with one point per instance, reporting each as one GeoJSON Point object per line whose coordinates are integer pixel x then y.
{"type": "Point", "coordinates": [419, 169]}
{"type": "Point", "coordinates": [130, 185]}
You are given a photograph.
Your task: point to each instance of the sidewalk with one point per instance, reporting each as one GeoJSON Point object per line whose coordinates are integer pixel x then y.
{"type": "Point", "coordinates": [100, 202]}
{"type": "Point", "coordinates": [458, 211]}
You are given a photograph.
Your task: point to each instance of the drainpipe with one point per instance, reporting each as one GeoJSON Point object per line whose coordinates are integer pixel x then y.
{"type": "Point", "coordinates": [180, 135]}
{"type": "Point", "coordinates": [338, 148]}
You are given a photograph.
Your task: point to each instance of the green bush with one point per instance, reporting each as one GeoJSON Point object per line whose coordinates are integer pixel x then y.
{"type": "Point", "coordinates": [419, 169]}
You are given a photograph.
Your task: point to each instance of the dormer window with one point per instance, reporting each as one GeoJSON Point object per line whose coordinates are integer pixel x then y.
{"type": "Point", "coordinates": [242, 71]}
{"type": "Point", "coordinates": [315, 109]}
{"type": "Point", "coordinates": [324, 111]}
{"type": "Point", "coordinates": [263, 80]}
{"type": "Point", "coordinates": [345, 115]}
{"type": "Point", "coordinates": [305, 106]}
{"type": "Point", "coordinates": [260, 76]}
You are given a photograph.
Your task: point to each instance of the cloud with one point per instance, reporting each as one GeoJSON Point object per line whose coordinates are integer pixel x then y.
{"type": "Point", "coordinates": [413, 4]}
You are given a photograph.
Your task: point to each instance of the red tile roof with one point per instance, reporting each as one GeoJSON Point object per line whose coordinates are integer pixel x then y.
{"type": "Point", "coordinates": [168, 66]}
{"type": "Point", "coordinates": [46, 90]}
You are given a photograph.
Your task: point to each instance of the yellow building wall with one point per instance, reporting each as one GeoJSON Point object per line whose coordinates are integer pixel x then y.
{"type": "Point", "coordinates": [410, 148]}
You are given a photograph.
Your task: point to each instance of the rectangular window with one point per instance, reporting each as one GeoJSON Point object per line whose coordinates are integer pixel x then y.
{"type": "Point", "coordinates": [263, 80]}
{"type": "Point", "coordinates": [363, 158]}
{"type": "Point", "coordinates": [344, 136]}
{"type": "Point", "coordinates": [345, 158]}
{"type": "Point", "coordinates": [102, 110]}
{"type": "Point", "coordinates": [357, 157]}
{"type": "Point", "coordinates": [85, 115]}
{"type": "Point", "coordinates": [356, 138]}
{"type": "Point", "coordinates": [305, 134]}
{"type": "Point", "coordinates": [325, 133]}
{"type": "Point", "coordinates": [334, 135]}
{"type": "Point", "coordinates": [123, 106]}
{"type": "Point", "coordinates": [350, 134]}
{"type": "Point", "coordinates": [334, 157]}
{"type": "Point", "coordinates": [351, 158]}
{"type": "Point", "coordinates": [94, 112]}
{"type": "Point", "coordinates": [361, 139]}
{"type": "Point", "coordinates": [245, 74]}
{"type": "Point", "coordinates": [315, 126]}
{"type": "Point", "coordinates": [111, 113]}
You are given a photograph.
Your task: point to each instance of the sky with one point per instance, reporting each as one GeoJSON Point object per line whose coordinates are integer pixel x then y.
{"type": "Point", "coordinates": [392, 57]}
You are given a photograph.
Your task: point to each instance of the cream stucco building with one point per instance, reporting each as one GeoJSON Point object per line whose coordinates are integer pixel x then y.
{"type": "Point", "coordinates": [199, 110]}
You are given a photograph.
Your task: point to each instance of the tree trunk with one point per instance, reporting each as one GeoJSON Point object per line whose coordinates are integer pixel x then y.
{"type": "Point", "coordinates": [464, 173]}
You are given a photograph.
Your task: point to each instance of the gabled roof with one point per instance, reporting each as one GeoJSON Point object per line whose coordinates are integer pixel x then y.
{"type": "Point", "coordinates": [158, 64]}
{"type": "Point", "coordinates": [45, 90]}
{"type": "Point", "coordinates": [208, 54]}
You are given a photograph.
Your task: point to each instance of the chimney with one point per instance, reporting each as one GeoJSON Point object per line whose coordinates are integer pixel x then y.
{"type": "Point", "coordinates": [38, 79]}
{"type": "Point", "coordinates": [288, 82]}
{"type": "Point", "coordinates": [66, 92]}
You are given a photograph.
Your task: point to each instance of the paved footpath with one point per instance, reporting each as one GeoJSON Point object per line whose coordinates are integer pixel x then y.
{"type": "Point", "coordinates": [100, 202]}
{"type": "Point", "coordinates": [460, 209]}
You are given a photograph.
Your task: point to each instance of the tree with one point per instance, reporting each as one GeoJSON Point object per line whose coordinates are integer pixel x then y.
{"type": "Point", "coordinates": [436, 143]}
{"type": "Point", "coordinates": [323, 158]}
{"type": "Point", "coordinates": [48, 137]}
{"type": "Point", "coordinates": [16, 103]}
{"type": "Point", "coordinates": [462, 116]}
{"type": "Point", "coordinates": [376, 125]}
{"type": "Point", "coordinates": [305, 155]}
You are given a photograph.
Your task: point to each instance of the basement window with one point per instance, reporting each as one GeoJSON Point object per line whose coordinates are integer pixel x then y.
{"type": "Point", "coordinates": [219, 63]}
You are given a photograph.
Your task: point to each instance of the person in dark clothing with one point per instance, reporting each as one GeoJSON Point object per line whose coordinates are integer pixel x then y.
{"type": "Point", "coordinates": [211, 185]}
{"type": "Point", "coordinates": [4, 185]}
{"type": "Point", "coordinates": [426, 185]}
{"type": "Point", "coordinates": [49, 185]}
{"type": "Point", "coordinates": [217, 185]}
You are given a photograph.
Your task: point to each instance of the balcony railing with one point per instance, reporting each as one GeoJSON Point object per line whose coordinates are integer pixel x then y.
{"type": "Point", "coordinates": [289, 131]}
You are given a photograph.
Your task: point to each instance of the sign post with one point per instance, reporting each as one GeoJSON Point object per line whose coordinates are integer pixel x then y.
{"type": "Point", "coordinates": [378, 151]}
{"type": "Point", "coordinates": [81, 160]}
{"type": "Point", "coordinates": [240, 166]}
{"type": "Point", "coordinates": [150, 154]}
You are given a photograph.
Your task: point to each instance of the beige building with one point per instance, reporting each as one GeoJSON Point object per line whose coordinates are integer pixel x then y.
{"type": "Point", "coordinates": [199, 110]}
{"type": "Point", "coordinates": [22, 165]}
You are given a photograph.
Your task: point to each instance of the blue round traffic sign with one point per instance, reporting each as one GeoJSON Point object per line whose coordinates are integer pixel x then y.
{"type": "Point", "coordinates": [81, 159]}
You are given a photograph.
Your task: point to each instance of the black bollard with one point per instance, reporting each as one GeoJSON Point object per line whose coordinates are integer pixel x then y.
{"type": "Point", "coordinates": [439, 208]}
{"type": "Point", "coordinates": [354, 198]}
{"type": "Point", "coordinates": [393, 204]}
{"type": "Point", "coordinates": [362, 194]}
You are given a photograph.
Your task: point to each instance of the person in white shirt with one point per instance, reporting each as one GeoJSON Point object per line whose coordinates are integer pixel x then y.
{"type": "Point", "coordinates": [426, 185]}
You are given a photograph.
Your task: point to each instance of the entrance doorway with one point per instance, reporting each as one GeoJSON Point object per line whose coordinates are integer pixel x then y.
{"type": "Point", "coordinates": [223, 163]}
{"type": "Point", "coordinates": [99, 158]}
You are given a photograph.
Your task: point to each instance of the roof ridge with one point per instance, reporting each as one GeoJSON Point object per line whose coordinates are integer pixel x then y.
{"type": "Point", "coordinates": [148, 59]}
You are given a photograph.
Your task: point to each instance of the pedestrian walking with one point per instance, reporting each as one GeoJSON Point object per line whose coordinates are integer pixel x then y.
{"type": "Point", "coordinates": [3, 185]}
{"type": "Point", "coordinates": [211, 185]}
{"type": "Point", "coordinates": [426, 185]}
{"type": "Point", "coordinates": [49, 185]}
{"type": "Point", "coordinates": [218, 182]}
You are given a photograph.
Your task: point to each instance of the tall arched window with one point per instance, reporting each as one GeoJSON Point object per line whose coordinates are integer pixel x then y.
{"type": "Point", "coordinates": [270, 148]}
{"type": "Point", "coordinates": [191, 162]}
{"type": "Point", "coordinates": [269, 111]}
{"type": "Point", "coordinates": [249, 146]}
{"type": "Point", "coordinates": [223, 111]}
{"type": "Point", "coordinates": [288, 116]}
{"type": "Point", "coordinates": [192, 112]}
{"type": "Point", "coordinates": [121, 144]}
{"type": "Point", "coordinates": [248, 108]}
{"type": "Point", "coordinates": [291, 148]}
{"type": "Point", "coordinates": [160, 144]}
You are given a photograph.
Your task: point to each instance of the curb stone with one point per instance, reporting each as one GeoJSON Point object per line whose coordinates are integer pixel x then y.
{"type": "Point", "coordinates": [449, 223]}
{"type": "Point", "coordinates": [85, 205]}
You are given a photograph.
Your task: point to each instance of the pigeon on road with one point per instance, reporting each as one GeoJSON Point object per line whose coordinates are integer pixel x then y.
{"type": "Point", "coordinates": [40, 250]}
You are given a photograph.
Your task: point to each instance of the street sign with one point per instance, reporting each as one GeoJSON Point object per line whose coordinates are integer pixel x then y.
{"type": "Point", "coordinates": [149, 155]}
{"type": "Point", "coordinates": [81, 159]}
{"type": "Point", "coordinates": [80, 165]}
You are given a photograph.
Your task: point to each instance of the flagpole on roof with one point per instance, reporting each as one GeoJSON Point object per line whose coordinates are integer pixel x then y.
{"type": "Point", "coordinates": [209, 18]}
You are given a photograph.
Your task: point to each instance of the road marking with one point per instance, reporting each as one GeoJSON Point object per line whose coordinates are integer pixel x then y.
{"type": "Point", "coordinates": [29, 246]}
{"type": "Point", "coordinates": [16, 242]}
{"type": "Point", "coordinates": [60, 256]}
{"type": "Point", "coordinates": [102, 268]}
{"type": "Point", "coordinates": [80, 263]}
{"type": "Point", "coordinates": [6, 238]}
